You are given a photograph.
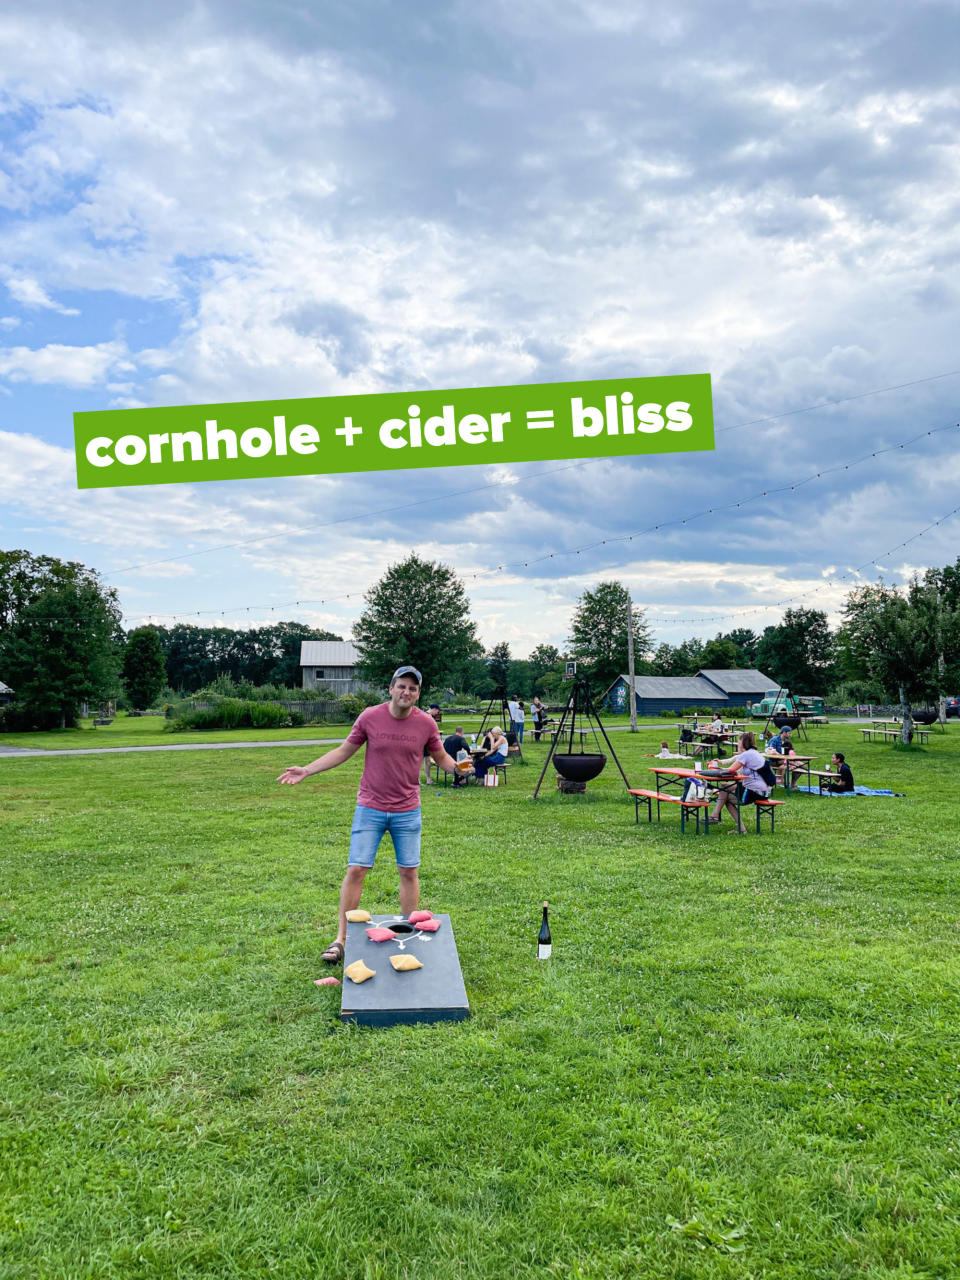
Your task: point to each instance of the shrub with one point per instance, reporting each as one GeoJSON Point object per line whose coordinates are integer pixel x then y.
{"type": "Point", "coordinates": [230, 713]}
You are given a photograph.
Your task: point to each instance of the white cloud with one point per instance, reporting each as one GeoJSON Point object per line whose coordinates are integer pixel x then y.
{"type": "Point", "coordinates": [31, 294]}
{"type": "Point", "coordinates": [63, 365]}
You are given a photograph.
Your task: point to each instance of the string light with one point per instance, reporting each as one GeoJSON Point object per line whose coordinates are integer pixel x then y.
{"type": "Point", "coordinates": [680, 521]}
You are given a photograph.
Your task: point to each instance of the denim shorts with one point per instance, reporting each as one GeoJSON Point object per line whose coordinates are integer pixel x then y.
{"type": "Point", "coordinates": [370, 826]}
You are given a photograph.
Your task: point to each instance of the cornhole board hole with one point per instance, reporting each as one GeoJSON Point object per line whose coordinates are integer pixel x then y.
{"type": "Point", "coordinates": [434, 993]}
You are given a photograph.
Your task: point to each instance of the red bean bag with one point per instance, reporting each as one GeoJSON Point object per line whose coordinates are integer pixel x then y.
{"type": "Point", "coordinates": [380, 934]}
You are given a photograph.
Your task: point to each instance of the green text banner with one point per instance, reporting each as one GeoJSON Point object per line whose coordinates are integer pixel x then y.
{"type": "Point", "coordinates": [616, 417]}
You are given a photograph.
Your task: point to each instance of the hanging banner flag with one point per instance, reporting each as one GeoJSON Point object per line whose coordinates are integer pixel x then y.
{"type": "Point", "coordinates": [616, 417]}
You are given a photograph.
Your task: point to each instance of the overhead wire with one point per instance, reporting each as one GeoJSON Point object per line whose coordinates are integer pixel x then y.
{"type": "Point", "coordinates": [690, 518]}
{"type": "Point", "coordinates": [503, 482]}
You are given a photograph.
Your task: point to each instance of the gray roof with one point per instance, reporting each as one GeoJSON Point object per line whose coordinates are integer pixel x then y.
{"type": "Point", "coordinates": [736, 681]}
{"type": "Point", "coordinates": [673, 687]}
{"type": "Point", "coordinates": [328, 653]}
{"type": "Point", "coordinates": [5, 688]}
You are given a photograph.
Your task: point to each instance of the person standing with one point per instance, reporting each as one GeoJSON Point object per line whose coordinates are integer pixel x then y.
{"type": "Point", "coordinates": [513, 706]}
{"type": "Point", "coordinates": [539, 716]}
{"type": "Point", "coordinates": [395, 733]}
{"type": "Point", "coordinates": [434, 711]}
{"type": "Point", "coordinates": [520, 721]}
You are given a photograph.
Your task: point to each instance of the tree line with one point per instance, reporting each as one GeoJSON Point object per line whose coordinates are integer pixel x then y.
{"type": "Point", "coordinates": [62, 643]}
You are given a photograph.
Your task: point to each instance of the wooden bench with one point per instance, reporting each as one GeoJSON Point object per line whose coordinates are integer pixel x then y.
{"type": "Point", "coordinates": [893, 735]}
{"type": "Point", "coordinates": [768, 809]}
{"type": "Point", "coordinates": [99, 722]}
{"type": "Point", "coordinates": [687, 807]}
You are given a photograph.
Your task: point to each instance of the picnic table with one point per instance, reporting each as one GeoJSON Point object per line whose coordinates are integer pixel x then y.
{"type": "Point", "coordinates": [708, 738]}
{"type": "Point", "coordinates": [795, 764]}
{"type": "Point", "coordinates": [823, 777]}
{"type": "Point", "coordinates": [886, 734]}
{"type": "Point", "coordinates": [667, 778]}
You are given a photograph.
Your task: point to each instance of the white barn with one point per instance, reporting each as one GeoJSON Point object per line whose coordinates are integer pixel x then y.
{"type": "Point", "coordinates": [332, 663]}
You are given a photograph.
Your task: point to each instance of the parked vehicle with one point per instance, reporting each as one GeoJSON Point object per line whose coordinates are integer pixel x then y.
{"type": "Point", "coordinates": [781, 702]}
{"type": "Point", "coordinates": [953, 706]}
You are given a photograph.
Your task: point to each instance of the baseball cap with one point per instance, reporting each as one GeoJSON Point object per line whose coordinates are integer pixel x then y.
{"type": "Point", "coordinates": [407, 671]}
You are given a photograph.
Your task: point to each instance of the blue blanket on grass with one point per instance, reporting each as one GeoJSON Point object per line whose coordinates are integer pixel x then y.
{"type": "Point", "coordinates": [857, 791]}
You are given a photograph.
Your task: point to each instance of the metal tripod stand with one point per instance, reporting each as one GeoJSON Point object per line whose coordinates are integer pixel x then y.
{"type": "Point", "coordinates": [579, 704]}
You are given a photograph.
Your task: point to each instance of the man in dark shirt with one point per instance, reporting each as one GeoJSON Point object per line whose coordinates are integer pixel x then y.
{"type": "Point", "coordinates": [845, 774]}
{"type": "Point", "coordinates": [451, 745]}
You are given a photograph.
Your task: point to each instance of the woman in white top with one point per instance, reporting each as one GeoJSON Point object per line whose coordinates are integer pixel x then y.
{"type": "Point", "coordinates": [496, 747]}
{"type": "Point", "coordinates": [746, 764]}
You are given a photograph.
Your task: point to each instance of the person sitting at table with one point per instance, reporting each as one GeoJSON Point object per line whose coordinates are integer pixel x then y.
{"type": "Point", "coordinates": [452, 745]}
{"type": "Point", "coordinates": [778, 739]}
{"type": "Point", "coordinates": [495, 752]}
{"type": "Point", "coordinates": [844, 774]}
{"type": "Point", "coordinates": [746, 764]}
{"type": "Point", "coordinates": [787, 749]}
{"type": "Point", "coordinates": [715, 730]}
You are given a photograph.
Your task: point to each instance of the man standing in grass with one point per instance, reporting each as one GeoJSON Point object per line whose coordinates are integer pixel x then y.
{"type": "Point", "coordinates": [397, 734]}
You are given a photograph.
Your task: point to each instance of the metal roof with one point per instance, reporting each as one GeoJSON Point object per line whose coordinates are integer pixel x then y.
{"type": "Point", "coordinates": [328, 653]}
{"type": "Point", "coordinates": [673, 687]}
{"type": "Point", "coordinates": [737, 681]}
{"type": "Point", "coordinates": [5, 688]}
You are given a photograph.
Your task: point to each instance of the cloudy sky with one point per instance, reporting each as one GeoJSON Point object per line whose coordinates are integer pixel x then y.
{"type": "Point", "coordinates": [206, 203]}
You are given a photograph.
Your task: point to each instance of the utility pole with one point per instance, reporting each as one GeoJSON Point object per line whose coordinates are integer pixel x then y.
{"type": "Point", "coordinates": [941, 664]}
{"type": "Point", "coordinates": [631, 667]}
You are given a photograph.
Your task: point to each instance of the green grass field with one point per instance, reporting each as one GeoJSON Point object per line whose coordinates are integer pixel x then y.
{"type": "Point", "coordinates": [741, 1061]}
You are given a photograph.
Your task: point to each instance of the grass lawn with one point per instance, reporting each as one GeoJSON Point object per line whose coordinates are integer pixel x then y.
{"type": "Point", "coordinates": [741, 1061]}
{"type": "Point", "coordinates": [148, 731]}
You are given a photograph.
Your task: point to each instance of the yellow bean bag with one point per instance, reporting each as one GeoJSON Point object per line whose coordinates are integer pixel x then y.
{"type": "Point", "coordinates": [358, 972]}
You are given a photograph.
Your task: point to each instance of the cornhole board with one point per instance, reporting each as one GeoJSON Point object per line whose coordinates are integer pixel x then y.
{"type": "Point", "coordinates": [434, 993]}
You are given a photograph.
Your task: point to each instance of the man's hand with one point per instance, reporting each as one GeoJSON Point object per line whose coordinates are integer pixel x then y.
{"type": "Point", "coordinates": [292, 775]}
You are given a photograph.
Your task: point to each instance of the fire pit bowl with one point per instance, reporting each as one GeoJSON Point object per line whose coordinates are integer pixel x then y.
{"type": "Point", "coordinates": [792, 721]}
{"type": "Point", "coordinates": [579, 766]}
{"type": "Point", "coordinates": [926, 716]}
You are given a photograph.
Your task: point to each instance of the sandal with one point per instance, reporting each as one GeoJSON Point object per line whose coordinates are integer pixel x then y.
{"type": "Point", "coordinates": [333, 953]}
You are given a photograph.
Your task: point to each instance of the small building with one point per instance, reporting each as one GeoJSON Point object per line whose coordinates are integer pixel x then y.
{"type": "Point", "coordinates": [332, 663]}
{"type": "Point", "coordinates": [742, 687]}
{"type": "Point", "coordinates": [6, 693]}
{"type": "Point", "coordinates": [718, 690]}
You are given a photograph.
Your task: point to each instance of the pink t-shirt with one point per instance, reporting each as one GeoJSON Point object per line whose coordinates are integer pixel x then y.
{"type": "Point", "coordinates": [395, 748]}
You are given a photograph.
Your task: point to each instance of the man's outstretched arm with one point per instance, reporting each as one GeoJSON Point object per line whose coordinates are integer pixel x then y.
{"type": "Point", "coordinates": [294, 773]}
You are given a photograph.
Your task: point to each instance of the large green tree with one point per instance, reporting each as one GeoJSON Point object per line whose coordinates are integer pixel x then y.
{"type": "Point", "coordinates": [720, 654]}
{"type": "Point", "coordinates": [144, 670]}
{"type": "Point", "coordinates": [544, 657]}
{"type": "Point", "coordinates": [745, 641]}
{"type": "Point", "coordinates": [61, 647]}
{"type": "Point", "coordinates": [498, 665]}
{"type": "Point", "coordinates": [598, 634]}
{"type": "Point", "coordinates": [417, 613]}
{"type": "Point", "coordinates": [23, 577]}
{"type": "Point", "coordinates": [890, 635]}
{"type": "Point", "coordinates": [800, 652]}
